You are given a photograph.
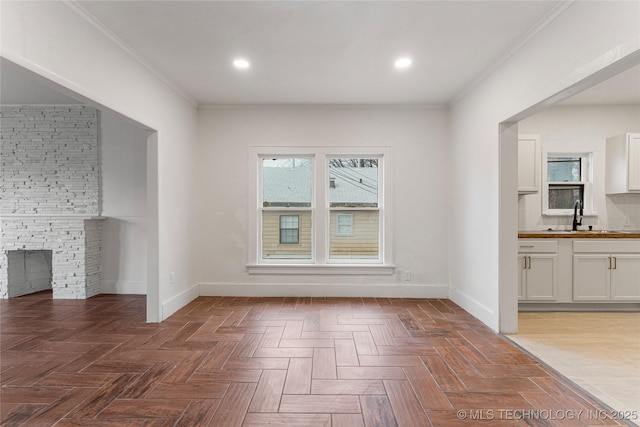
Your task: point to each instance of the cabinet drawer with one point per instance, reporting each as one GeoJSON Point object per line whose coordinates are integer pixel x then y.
{"type": "Point", "coordinates": [537, 246]}
{"type": "Point", "coordinates": [607, 246]}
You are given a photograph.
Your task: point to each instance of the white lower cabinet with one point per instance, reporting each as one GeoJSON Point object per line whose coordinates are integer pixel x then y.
{"type": "Point", "coordinates": [591, 278]}
{"type": "Point", "coordinates": [538, 261]}
{"type": "Point", "coordinates": [606, 271]}
{"type": "Point", "coordinates": [625, 277]}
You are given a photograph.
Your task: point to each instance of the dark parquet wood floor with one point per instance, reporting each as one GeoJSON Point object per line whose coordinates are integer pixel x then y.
{"type": "Point", "coordinates": [271, 361]}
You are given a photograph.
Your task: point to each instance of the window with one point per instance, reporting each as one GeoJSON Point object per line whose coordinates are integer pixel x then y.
{"type": "Point", "coordinates": [344, 224]}
{"type": "Point", "coordinates": [353, 196]}
{"type": "Point", "coordinates": [320, 208]}
{"type": "Point", "coordinates": [286, 208]}
{"type": "Point", "coordinates": [567, 180]}
{"type": "Point", "coordinates": [289, 229]}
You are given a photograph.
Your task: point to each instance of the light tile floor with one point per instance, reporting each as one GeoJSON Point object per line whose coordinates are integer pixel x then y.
{"type": "Point", "coordinates": [600, 352]}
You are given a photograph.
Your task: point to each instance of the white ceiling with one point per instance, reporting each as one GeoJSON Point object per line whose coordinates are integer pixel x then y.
{"type": "Point", "coordinates": [319, 52]}
{"type": "Point", "coordinates": [623, 89]}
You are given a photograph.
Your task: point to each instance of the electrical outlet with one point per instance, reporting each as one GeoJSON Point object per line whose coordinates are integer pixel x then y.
{"type": "Point", "coordinates": [173, 277]}
{"type": "Point", "coordinates": [406, 275]}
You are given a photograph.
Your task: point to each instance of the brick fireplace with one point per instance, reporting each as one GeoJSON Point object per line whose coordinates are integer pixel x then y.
{"type": "Point", "coordinates": [50, 186]}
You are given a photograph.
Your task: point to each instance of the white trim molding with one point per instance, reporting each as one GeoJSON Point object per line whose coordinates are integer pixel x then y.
{"type": "Point", "coordinates": [391, 290]}
{"type": "Point", "coordinates": [90, 19]}
{"type": "Point", "coordinates": [322, 269]}
{"type": "Point", "coordinates": [178, 301]}
{"type": "Point", "coordinates": [475, 308]}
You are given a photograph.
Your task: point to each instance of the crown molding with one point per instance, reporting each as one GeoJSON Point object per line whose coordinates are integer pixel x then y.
{"type": "Point", "coordinates": [324, 107]}
{"type": "Point", "coordinates": [106, 31]}
{"type": "Point", "coordinates": [533, 31]}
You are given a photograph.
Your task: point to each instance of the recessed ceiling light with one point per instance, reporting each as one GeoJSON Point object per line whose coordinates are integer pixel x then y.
{"type": "Point", "coordinates": [403, 63]}
{"type": "Point", "coordinates": [241, 63]}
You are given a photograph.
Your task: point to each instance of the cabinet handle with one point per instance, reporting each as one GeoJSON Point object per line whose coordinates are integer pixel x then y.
{"type": "Point", "coordinates": [615, 263]}
{"type": "Point", "coordinates": [529, 258]}
{"type": "Point", "coordinates": [526, 246]}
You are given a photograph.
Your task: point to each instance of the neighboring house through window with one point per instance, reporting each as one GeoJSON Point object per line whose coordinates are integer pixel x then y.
{"type": "Point", "coordinates": [354, 197]}
{"type": "Point", "coordinates": [286, 208]}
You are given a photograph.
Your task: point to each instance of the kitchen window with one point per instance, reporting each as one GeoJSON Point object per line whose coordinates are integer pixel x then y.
{"type": "Point", "coordinates": [319, 208]}
{"type": "Point", "coordinates": [567, 180]}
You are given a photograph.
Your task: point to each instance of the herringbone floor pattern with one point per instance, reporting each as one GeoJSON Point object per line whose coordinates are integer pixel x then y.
{"type": "Point", "coordinates": [269, 361]}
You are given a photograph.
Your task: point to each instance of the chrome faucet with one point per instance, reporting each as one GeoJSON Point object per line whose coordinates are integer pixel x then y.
{"type": "Point", "coordinates": [575, 215]}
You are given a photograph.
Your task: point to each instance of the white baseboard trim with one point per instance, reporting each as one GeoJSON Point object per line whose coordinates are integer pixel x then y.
{"type": "Point", "coordinates": [178, 301]}
{"type": "Point", "coordinates": [123, 287]}
{"type": "Point", "coordinates": [393, 290]}
{"type": "Point", "coordinates": [475, 308]}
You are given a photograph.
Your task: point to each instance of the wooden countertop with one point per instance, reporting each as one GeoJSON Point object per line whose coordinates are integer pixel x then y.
{"type": "Point", "coordinates": [581, 234]}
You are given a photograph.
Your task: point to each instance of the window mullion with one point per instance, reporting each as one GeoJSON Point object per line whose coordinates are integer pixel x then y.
{"type": "Point", "coordinates": [320, 213]}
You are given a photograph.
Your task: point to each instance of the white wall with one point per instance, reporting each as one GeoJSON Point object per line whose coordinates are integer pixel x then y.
{"type": "Point", "coordinates": [54, 41]}
{"type": "Point", "coordinates": [583, 129]}
{"type": "Point", "coordinates": [418, 140]}
{"type": "Point", "coordinates": [123, 155]}
{"type": "Point", "coordinates": [584, 39]}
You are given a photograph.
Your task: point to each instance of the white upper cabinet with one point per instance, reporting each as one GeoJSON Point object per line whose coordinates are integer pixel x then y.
{"type": "Point", "coordinates": [623, 164]}
{"type": "Point", "coordinates": [528, 164]}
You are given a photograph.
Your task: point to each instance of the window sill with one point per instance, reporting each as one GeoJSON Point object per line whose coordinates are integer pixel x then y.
{"type": "Point", "coordinates": [341, 269]}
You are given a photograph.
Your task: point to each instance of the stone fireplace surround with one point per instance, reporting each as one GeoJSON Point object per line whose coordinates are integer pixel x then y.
{"type": "Point", "coordinates": [50, 186]}
{"type": "Point", "coordinates": [75, 246]}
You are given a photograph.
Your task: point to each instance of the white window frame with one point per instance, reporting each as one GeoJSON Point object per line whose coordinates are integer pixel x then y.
{"type": "Point", "coordinates": [319, 262]}
{"type": "Point", "coordinates": [586, 180]}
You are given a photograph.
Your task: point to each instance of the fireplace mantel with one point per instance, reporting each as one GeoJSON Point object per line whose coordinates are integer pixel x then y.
{"type": "Point", "coordinates": [47, 217]}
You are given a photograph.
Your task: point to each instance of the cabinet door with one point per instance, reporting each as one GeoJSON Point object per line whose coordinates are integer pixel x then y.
{"type": "Point", "coordinates": [541, 278]}
{"type": "Point", "coordinates": [591, 275]}
{"type": "Point", "coordinates": [634, 163]}
{"type": "Point", "coordinates": [625, 278]}
{"type": "Point", "coordinates": [522, 276]}
{"type": "Point", "coordinates": [528, 164]}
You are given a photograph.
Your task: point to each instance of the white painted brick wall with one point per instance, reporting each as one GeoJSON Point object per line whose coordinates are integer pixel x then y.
{"type": "Point", "coordinates": [75, 247]}
{"type": "Point", "coordinates": [49, 162]}
{"type": "Point", "coordinates": [49, 165]}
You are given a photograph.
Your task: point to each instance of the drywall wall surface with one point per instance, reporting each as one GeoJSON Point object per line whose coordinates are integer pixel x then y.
{"type": "Point", "coordinates": [417, 139]}
{"type": "Point", "coordinates": [564, 53]}
{"type": "Point", "coordinates": [124, 204]}
{"type": "Point", "coordinates": [53, 40]}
